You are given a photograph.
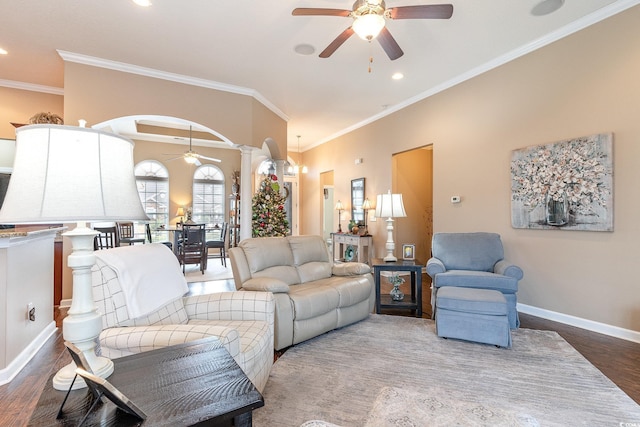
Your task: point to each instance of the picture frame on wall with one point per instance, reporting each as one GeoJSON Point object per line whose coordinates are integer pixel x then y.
{"type": "Point", "coordinates": [409, 252]}
{"type": "Point", "coordinates": [565, 185]}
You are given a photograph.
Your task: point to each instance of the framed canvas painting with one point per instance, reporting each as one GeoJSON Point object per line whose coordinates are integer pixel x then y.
{"type": "Point", "coordinates": [564, 185]}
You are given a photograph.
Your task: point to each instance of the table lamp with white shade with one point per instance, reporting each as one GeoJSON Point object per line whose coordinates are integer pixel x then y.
{"type": "Point", "coordinates": [65, 174]}
{"type": "Point", "coordinates": [390, 206]}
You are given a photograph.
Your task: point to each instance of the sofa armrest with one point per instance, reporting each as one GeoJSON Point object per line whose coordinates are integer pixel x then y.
{"type": "Point", "coordinates": [266, 284]}
{"type": "Point", "coordinates": [509, 269]}
{"type": "Point", "coordinates": [122, 341]}
{"type": "Point", "coordinates": [240, 305]}
{"type": "Point", "coordinates": [435, 266]}
{"type": "Point", "coordinates": [350, 269]}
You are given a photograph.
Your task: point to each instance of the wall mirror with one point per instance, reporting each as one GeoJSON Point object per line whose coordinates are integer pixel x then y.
{"type": "Point", "coordinates": [357, 198]}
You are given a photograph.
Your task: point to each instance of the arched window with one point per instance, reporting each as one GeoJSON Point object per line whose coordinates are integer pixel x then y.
{"type": "Point", "coordinates": [152, 179]}
{"type": "Point", "coordinates": [208, 195]}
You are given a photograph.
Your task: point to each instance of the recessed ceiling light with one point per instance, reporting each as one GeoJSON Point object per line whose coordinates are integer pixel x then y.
{"type": "Point", "coordinates": [397, 76]}
{"type": "Point", "coordinates": [545, 7]}
{"type": "Point", "coordinates": [3, 52]}
{"type": "Point", "coordinates": [304, 49]}
{"type": "Point", "coordinates": [143, 3]}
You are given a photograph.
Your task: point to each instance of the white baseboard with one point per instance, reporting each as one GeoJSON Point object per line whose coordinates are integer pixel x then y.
{"type": "Point", "coordinates": [590, 325]}
{"type": "Point", "coordinates": [16, 365]}
{"type": "Point", "coordinates": [65, 303]}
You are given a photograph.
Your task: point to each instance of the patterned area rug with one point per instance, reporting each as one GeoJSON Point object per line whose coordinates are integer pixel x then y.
{"type": "Point", "coordinates": [394, 371]}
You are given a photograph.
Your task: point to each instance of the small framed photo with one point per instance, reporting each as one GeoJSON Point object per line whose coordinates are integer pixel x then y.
{"type": "Point", "coordinates": [409, 252]}
{"type": "Point", "coordinates": [105, 388]}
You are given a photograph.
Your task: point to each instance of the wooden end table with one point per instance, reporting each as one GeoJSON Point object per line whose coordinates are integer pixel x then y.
{"type": "Point", "coordinates": [385, 301]}
{"type": "Point", "coordinates": [195, 383]}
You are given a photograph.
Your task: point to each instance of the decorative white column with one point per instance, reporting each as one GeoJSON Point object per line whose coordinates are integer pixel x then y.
{"type": "Point", "coordinates": [245, 192]}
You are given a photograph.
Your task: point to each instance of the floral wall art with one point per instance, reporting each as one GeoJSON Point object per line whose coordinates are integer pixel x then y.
{"type": "Point", "coordinates": [564, 185]}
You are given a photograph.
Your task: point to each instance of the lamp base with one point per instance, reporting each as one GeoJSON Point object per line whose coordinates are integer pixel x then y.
{"type": "Point", "coordinates": [390, 245]}
{"type": "Point", "coordinates": [83, 323]}
{"type": "Point", "coordinates": [102, 367]}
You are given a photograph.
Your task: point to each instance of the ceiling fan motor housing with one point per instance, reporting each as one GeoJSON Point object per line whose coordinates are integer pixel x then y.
{"type": "Point", "coordinates": [368, 7]}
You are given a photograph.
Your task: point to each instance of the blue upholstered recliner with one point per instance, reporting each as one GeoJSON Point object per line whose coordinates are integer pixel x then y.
{"type": "Point", "coordinates": [474, 260]}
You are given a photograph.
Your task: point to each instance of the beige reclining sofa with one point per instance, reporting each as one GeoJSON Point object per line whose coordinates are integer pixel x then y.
{"type": "Point", "coordinates": [312, 295]}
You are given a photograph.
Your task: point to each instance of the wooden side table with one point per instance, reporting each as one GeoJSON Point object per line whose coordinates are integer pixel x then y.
{"type": "Point", "coordinates": [196, 383]}
{"type": "Point", "coordinates": [363, 245]}
{"type": "Point", "coordinates": [385, 301]}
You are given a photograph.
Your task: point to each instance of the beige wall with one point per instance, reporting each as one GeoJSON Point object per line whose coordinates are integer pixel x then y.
{"type": "Point", "coordinates": [584, 84]}
{"type": "Point", "coordinates": [17, 106]}
{"type": "Point", "coordinates": [98, 94]}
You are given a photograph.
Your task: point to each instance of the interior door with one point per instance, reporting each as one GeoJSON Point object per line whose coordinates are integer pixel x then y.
{"type": "Point", "coordinates": [328, 213]}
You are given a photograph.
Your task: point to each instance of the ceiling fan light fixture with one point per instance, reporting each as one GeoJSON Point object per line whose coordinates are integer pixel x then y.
{"type": "Point", "coordinates": [368, 26]}
{"type": "Point", "coordinates": [191, 159]}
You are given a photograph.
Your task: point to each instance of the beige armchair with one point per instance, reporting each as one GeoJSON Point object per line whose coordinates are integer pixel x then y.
{"type": "Point", "coordinates": [243, 321]}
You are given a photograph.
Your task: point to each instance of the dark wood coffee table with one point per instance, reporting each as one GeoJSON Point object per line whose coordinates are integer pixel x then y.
{"type": "Point", "coordinates": [196, 383]}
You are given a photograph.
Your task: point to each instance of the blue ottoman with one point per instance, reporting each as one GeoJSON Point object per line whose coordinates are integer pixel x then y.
{"type": "Point", "coordinates": [478, 315]}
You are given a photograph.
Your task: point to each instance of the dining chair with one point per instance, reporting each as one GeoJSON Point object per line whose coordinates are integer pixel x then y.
{"type": "Point", "coordinates": [150, 238]}
{"type": "Point", "coordinates": [193, 246]}
{"type": "Point", "coordinates": [108, 238]}
{"type": "Point", "coordinates": [220, 245]}
{"type": "Point", "coordinates": [126, 234]}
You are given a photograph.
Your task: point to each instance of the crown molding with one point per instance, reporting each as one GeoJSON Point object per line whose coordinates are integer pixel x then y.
{"type": "Point", "coordinates": [580, 24]}
{"type": "Point", "coordinates": [163, 75]}
{"type": "Point", "coordinates": [31, 87]}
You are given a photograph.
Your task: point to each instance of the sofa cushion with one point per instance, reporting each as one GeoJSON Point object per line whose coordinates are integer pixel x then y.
{"type": "Point", "coordinates": [314, 270]}
{"type": "Point", "coordinates": [170, 314]}
{"type": "Point", "coordinates": [466, 300]}
{"type": "Point", "coordinates": [311, 257]}
{"type": "Point", "coordinates": [266, 252]}
{"type": "Point", "coordinates": [310, 300]}
{"type": "Point", "coordinates": [350, 290]}
{"type": "Point", "coordinates": [477, 279]}
{"type": "Point", "coordinates": [307, 249]}
{"type": "Point", "coordinates": [350, 269]}
{"type": "Point", "coordinates": [285, 273]}
{"type": "Point", "coordinates": [268, 284]}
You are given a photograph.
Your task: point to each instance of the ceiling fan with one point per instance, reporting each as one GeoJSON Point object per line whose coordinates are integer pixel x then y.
{"type": "Point", "coordinates": [369, 22]}
{"type": "Point", "coordinates": [192, 157]}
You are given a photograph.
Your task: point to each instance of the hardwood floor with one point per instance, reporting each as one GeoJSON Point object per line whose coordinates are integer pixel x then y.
{"type": "Point", "coordinates": [617, 359]}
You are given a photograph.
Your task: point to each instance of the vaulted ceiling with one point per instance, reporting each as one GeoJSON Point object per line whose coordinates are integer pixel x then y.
{"type": "Point", "coordinates": [253, 46]}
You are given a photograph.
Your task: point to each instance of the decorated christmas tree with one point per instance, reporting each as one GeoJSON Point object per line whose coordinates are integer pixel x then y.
{"type": "Point", "coordinates": [269, 219]}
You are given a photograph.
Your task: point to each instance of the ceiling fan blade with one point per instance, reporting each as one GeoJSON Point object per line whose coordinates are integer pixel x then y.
{"type": "Point", "coordinates": [306, 11]}
{"type": "Point", "coordinates": [211, 159]}
{"type": "Point", "coordinates": [197, 162]}
{"type": "Point", "coordinates": [334, 45]}
{"type": "Point", "coordinates": [427, 11]}
{"type": "Point", "coordinates": [389, 44]}
{"type": "Point", "coordinates": [175, 158]}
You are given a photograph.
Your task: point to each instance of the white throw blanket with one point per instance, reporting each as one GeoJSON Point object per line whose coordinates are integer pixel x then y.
{"type": "Point", "coordinates": [150, 276]}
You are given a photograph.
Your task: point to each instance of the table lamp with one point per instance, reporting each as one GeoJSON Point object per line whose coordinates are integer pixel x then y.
{"type": "Point", "coordinates": [339, 208]}
{"type": "Point", "coordinates": [390, 206]}
{"type": "Point", "coordinates": [65, 174]}
{"type": "Point", "coordinates": [180, 213]}
{"type": "Point", "coordinates": [366, 207]}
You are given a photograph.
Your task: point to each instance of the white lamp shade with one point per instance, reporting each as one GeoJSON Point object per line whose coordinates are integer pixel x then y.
{"type": "Point", "coordinates": [390, 206]}
{"type": "Point", "coordinates": [71, 174]}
